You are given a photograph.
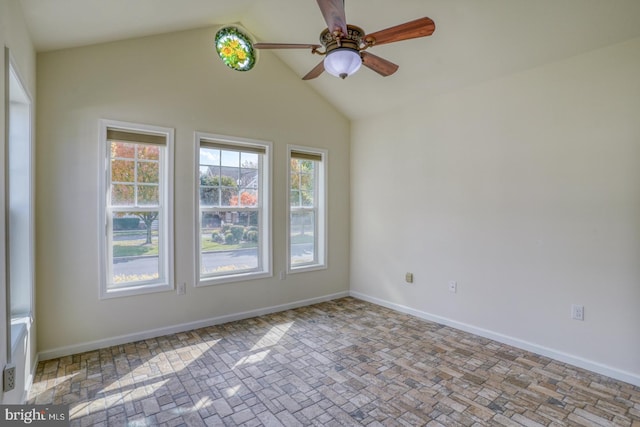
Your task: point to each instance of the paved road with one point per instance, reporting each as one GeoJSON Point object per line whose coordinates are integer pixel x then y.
{"type": "Point", "coordinates": [211, 260]}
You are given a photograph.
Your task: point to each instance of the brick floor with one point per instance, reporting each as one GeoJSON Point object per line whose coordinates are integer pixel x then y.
{"type": "Point", "coordinates": [344, 362]}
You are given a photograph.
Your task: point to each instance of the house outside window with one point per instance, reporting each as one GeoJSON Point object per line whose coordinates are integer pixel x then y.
{"type": "Point", "coordinates": [307, 203]}
{"type": "Point", "coordinates": [233, 206]}
{"type": "Point", "coordinates": [136, 209]}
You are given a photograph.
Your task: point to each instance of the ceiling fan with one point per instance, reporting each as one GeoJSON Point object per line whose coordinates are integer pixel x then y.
{"type": "Point", "coordinates": [345, 45]}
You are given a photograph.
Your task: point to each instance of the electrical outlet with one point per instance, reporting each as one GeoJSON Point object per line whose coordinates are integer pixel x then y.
{"type": "Point", "coordinates": [182, 288]}
{"type": "Point", "coordinates": [577, 312]}
{"type": "Point", "coordinates": [9, 377]}
{"type": "Point", "coordinates": [408, 277]}
{"type": "Point", "coordinates": [453, 286]}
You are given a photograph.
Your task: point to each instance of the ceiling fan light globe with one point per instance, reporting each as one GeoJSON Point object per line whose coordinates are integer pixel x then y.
{"type": "Point", "coordinates": [342, 62]}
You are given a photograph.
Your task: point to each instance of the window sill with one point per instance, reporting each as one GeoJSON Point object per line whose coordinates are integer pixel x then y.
{"type": "Point", "coordinates": [19, 328]}
{"type": "Point", "coordinates": [212, 281]}
{"type": "Point", "coordinates": [307, 268]}
{"type": "Point", "coordinates": [135, 290]}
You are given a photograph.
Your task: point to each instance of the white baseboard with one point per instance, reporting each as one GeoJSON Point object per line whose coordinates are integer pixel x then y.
{"type": "Point", "coordinates": [138, 336]}
{"type": "Point", "coordinates": [29, 382]}
{"type": "Point", "coordinates": [577, 361]}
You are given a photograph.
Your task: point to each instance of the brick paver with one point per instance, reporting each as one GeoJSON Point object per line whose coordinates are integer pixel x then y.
{"type": "Point", "coordinates": [344, 362]}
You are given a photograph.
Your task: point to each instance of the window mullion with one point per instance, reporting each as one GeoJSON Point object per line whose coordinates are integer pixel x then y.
{"type": "Point", "coordinates": [220, 180]}
{"type": "Point", "coordinates": [135, 176]}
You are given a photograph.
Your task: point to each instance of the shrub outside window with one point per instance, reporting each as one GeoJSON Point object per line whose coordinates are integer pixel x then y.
{"type": "Point", "coordinates": [307, 209]}
{"type": "Point", "coordinates": [137, 243]}
{"type": "Point", "coordinates": [233, 226]}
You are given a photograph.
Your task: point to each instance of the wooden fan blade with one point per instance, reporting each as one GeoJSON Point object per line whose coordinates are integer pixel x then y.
{"type": "Point", "coordinates": [409, 30]}
{"type": "Point", "coordinates": [333, 13]}
{"type": "Point", "coordinates": [317, 70]}
{"type": "Point", "coordinates": [379, 65]}
{"type": "Point", "coordinates": [285, 46]}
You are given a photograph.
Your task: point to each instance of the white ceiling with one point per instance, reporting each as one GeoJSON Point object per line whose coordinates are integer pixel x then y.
{"type": "Point", "coordinates": [474, 41]}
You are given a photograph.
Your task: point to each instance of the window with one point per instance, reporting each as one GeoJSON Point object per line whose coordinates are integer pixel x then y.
{"type": "Point", "coordinates": [136, 209]}
{"type": "Point", "coordinates": [307, 209]}
{"type": "Point", "coordinates": [19, 202]}
{"type": "Point", "coordinates": [233, 232]}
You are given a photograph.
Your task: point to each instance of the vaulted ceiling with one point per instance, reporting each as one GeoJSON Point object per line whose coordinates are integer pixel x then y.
{"type": "Point", "coordinates": [474, 40]}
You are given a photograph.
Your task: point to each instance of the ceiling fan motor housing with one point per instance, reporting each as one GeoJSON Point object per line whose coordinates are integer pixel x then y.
{"type": "Point", "coordinates": [352, 40]}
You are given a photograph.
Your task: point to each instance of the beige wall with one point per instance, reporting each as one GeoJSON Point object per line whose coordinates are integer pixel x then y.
{"type": "Point", "coordinates": [14, 35]}
{"type": "Point", "coordinates": [526, 191]}
{"type": "Point", "coordinates": [173, 80]}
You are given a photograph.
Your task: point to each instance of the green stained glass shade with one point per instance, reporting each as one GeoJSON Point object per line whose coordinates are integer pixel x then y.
{"type": "Point", "coordinates": [235, 49]}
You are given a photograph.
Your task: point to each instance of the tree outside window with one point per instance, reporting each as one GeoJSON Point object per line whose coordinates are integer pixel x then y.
{"type": "Point", "coordinates": [307, 210]}
{"type": "Point", "coordinates": [137, 256]}
{"type": "Point", "coordinates": [232, 190]}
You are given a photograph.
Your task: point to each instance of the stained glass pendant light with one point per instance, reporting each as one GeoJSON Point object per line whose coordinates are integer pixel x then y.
{"type": "Point", "coordinates": [235, 49]}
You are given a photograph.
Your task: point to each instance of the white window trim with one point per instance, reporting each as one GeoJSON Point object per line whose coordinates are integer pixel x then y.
{"type": "Point", "coordinates": [265, 195]}
{"type": "Point", "coordinates": [323, 211]}
{"type": "Point", "coordinates": [167, 224]}
{"type": "Point", "coordinates": [18, 323]}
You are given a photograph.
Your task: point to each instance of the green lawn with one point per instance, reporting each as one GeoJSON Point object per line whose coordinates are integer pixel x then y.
{"type": "Point", "coordinates": [209, 245]}
{"type": "Point", "coordinates": [137, 247]}
{"type": "Point", "coordinates": [301, 238]}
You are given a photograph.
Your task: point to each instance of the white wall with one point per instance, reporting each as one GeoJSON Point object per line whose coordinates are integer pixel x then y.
{"type": "Point", "coordinates": [14, 35]}
{"type": "Point", "coordinates": [526, 191]}
{"type": "Point", "coordinates": [173, 80]}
